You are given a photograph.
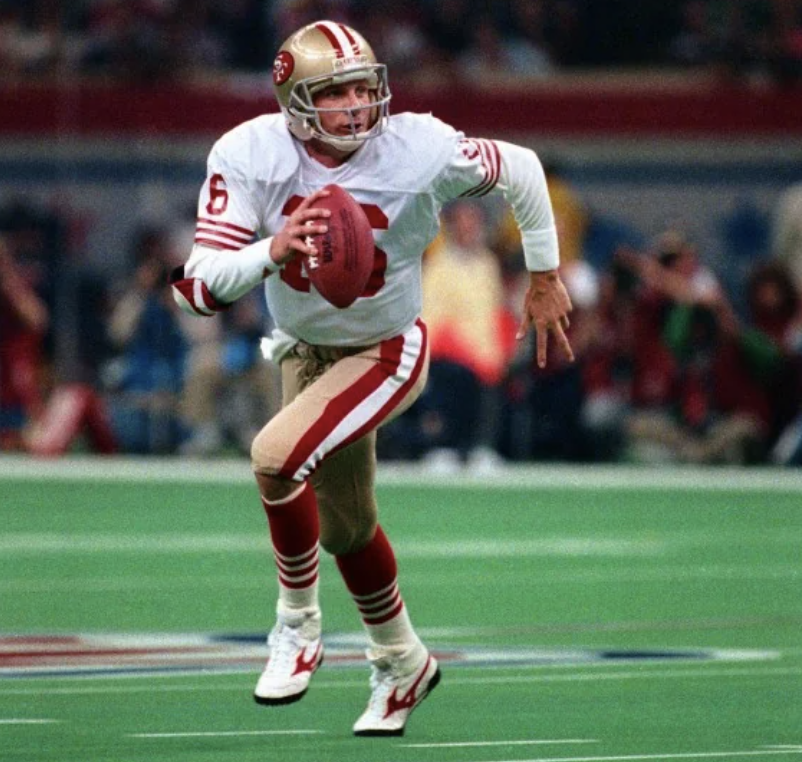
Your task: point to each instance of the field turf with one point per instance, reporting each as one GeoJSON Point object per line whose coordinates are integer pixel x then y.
{"type": "Point", "coordinates": [581, 613]}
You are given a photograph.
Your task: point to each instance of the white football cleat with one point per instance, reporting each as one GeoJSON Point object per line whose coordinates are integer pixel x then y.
{"type": "Point", "coordinates": [395, 692]}
{"type": "Point", "coordinates": [296, 651]}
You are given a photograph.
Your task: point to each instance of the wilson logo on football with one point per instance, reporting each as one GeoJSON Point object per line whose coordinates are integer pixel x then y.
{"type": "Point", "coordinates": [283, 67]}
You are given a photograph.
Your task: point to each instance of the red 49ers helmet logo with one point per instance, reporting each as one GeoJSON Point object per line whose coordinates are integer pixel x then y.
{"type": "Point", "coordinates": [283, 67]}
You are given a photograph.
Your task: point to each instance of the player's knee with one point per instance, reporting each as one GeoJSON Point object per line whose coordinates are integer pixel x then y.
{"type": "Point", "coordinates": [263, 457]}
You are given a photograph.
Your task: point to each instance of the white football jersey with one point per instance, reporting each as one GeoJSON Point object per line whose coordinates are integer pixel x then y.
{"type": "Point", "coordinates": [258, 173]}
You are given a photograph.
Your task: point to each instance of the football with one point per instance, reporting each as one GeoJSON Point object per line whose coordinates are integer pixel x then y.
{"type": "Point", "coordinates": [344, 260]}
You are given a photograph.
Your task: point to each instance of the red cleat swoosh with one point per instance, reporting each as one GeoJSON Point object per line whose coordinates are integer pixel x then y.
{"type": "Point", "coordinates": [304, 665]}
{"type": "Point", "coordinates": [409, 699]}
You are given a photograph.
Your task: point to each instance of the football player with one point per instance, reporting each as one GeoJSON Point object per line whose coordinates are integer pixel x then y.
{"type": "Point", "coordinates": [346, 372]}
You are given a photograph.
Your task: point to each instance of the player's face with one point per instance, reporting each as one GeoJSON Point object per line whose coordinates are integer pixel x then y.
{"type": "Point", "coordinates": [349, 100]}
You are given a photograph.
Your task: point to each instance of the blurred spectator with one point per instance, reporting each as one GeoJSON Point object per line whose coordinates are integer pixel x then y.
{"type": "Point", "coordinates": [489, 54]}
{"type": "Point", "coordinates": [398, 38]}
{"type": "Point", "coordinates": [448, 25]}
{"type": "Point", "coordinates": [530, 47]}
{"type": "Point", "coordinates": [147, 376]}
{"type": "Point", "coordinates": [50, 375]}
{"type": "Point", "coordinates": [145, 40]}
{"type": "Point", "coordinates": [745, 232]}
{"type": "Point", "coordinates": [768, 343]}
{"type": "Point", "coordinates": [470, 342]}
{"type": "Point", "coordinates": [31, 40]}
{"type": "Point", "coordinates": [229, 389]}
{"type": "Point", "coordinates": [787, 231]}
{"type": "Point", "coordinates": [753, 39]}
{"type": "Point", "coordinates": [24, 320]}
{"type": "Point", "coordinates": [133, 40]}
{"type": "Point", "coordinates": [546, 413]}
{"type": "Point", "coordinates": [693, 400]}
{"type": "Point", "coordinates": [754, 374]}
{"type": "Point", "coordinates": [697, 40]}
{"type": "Point", "coordinates": [609, 358]}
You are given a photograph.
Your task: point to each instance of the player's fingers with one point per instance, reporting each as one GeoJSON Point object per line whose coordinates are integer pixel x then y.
{"type": "Point", "coordinates": [542, 332]}
{"type": "Point", "coordinates": [311, 198]}
{"type": "Point", "coordinates": [310, 227]}
{"type": "Point", "coordinates": [565, 322]}
{"type": "Point", "coordinates": [305, 215]}
{"type": "Point", "coordinates": [562, 340]}
{"type": "Point", "coordinates": [523, 327]}
{"type": "Point", "coordinates": [303, 245]}
{"type": "Point", "coordinates": [300, 237]}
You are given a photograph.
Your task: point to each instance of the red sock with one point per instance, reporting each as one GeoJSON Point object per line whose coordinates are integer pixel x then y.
{"type": "Point", "coordinates": [295, 533]}
{"type": "Point", "coordinates": [371, 577]}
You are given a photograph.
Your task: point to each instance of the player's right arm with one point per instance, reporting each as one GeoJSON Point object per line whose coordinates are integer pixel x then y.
{"type": "Point", "coordinates": [227, 261]}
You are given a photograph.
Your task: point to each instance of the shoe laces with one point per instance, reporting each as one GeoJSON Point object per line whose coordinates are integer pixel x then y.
{"type": "Point", "coordinates": [383, 679]}
{"type": "Point", "coordinates": [284, 643]}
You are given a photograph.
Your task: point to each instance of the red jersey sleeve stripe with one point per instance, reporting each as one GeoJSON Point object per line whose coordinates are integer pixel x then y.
{"type": "Point", "coordinates": [227, 225]}
{"type": "Point", "coordinates": [214, 243]}
{"type": "Point", "coordinates": [236, 238]}
{"type": "Point", "coordinates": [491, 161]}
{"type": "Point", "coordinates": [494, 156]}
{"type": "Point", "coordinates": [471, 191]}
{"type": "Point", "coordinates": [195, 293]}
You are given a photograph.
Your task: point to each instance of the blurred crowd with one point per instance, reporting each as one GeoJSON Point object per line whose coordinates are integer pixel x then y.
{"type": "Point", "coordinates": [676, 362]}
{"type": "Point", "coordinates": [150, 40]}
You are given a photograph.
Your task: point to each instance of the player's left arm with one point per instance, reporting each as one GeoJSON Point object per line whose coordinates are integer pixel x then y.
{"type": "Point", "coordinates": [546, 303]}
{"type": "Point", "coordinates": [481, 167]}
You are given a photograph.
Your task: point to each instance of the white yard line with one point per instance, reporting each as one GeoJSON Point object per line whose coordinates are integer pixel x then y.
{"type": "Point", "coordinates": [225, 733]}
{"type": "Point", "coordinates": [465, 744]}
{"type": "Point", "coordinates": [786, 746]}
{"type": "Point", "coordinates": [684, 755]}
{"type": "Point", "coordinates": [26, 722]}
{"type": "Point", "coordinates": [171, 469]}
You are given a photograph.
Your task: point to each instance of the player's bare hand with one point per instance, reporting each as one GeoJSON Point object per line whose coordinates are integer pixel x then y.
{"type": "Point", "coordinates": [546, 307]}
{"type": "Point", "coordinates": [306, 220]}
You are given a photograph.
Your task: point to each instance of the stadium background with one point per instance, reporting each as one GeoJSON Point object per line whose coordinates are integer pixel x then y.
{"type": "Point", "coordinates": [683, 118]}
{"type": "Point", "coordinates": [588, 612]}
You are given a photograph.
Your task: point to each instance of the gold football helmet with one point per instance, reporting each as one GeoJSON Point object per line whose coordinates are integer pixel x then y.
{"type": "Point", "coordinates": [319, 55]}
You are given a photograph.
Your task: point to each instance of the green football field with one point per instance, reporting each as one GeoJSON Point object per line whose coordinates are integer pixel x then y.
{"type": "Point", "coordinates": [578, 613]}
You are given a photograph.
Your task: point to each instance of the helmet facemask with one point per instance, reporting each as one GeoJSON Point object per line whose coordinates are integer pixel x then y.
{"type": "Point", "coordinates": [304, 117]}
